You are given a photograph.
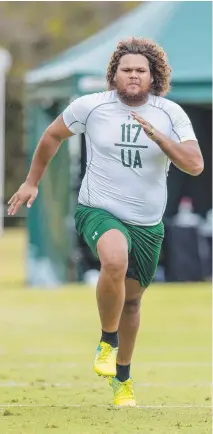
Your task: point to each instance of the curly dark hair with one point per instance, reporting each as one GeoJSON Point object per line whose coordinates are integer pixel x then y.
{"type": "Point", "coordinates": [156, 57]}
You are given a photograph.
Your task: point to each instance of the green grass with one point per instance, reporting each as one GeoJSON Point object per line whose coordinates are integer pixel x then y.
{"type": "Point", "coordinates": [47, 344]}
{"type": "Point", "coordinates": [12, 257]}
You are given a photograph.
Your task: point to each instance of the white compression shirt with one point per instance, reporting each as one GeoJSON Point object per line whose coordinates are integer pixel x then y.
{"type": "Point", "coordinates": [126, 172]}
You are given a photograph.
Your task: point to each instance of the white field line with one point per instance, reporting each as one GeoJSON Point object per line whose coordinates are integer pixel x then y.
{"type": "Point", "coordinates": [94, 385]}
{"type": "Point", "coordinates": [149, 364]}
{"type": "Point", "coordinates": [55, 351]}
{"type": "Point", "coordinates": [155, 407]}
{"type": "Point", "coordinates": [144, 350]}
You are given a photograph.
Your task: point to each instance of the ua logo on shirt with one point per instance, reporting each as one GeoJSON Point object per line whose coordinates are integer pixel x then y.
{"type": "Point", "coordinates": [130, 157]}
{"type": "Point", "coordinates": [94, 235]}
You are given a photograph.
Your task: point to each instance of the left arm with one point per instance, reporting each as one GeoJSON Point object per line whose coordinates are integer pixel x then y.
{"type": "Point", "coordinates": [185, 155]}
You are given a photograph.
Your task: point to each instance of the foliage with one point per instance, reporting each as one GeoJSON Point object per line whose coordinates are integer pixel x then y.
{"type": "Point", "coordinates": [34, 32]}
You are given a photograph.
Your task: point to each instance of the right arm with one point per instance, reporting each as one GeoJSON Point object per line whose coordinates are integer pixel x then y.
{"type": "Point", "coordinates": [71, 121]}
{"type": "Point", "coordinates": [47, 147]}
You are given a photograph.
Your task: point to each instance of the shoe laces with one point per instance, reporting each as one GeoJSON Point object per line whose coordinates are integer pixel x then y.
{"type": "Point", "coordinates": [124, 388]}
{"type": "Point", "coordinates": [105, 351]}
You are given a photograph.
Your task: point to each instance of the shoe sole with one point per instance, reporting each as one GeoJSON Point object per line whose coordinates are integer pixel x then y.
{"type": "Point", "coordinates": [124, 405]}
{"type": "Point", "coordinates": [104, 374]}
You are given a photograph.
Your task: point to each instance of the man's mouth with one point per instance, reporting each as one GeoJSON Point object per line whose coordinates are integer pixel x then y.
{"type": "Point", "coordinates": [133, 83]}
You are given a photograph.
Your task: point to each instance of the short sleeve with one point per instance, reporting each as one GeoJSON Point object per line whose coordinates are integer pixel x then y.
{"type": "Point", "coordinates": [182, 128]}
{"type": "Point", "coordinates": [75, 115]}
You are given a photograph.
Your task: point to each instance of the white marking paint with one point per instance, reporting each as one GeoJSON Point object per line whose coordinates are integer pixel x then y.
{"type": "Point", "coordinates": [149, 364]}
{"type": "Point", "coordinates": [144, 350]}
{"type": "Point", "coordinates": [156, 407]}
{"type": "Point", "coordinates": [99, 385]}
{"type": "Point", "coordinates": [153, 349]}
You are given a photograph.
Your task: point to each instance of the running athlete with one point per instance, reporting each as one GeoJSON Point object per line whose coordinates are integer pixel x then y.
{"type": "Point", "coordinates": [132, 134]}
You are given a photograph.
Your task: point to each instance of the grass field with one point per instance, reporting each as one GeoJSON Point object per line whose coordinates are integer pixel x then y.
{"type": "Point", "coordinates": [47, 344]}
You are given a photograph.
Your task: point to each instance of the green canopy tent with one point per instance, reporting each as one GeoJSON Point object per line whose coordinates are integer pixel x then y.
{"type": "Point", "coordinates": [184, 31]}
{"type": "Point", "coordinates": [182, 28]}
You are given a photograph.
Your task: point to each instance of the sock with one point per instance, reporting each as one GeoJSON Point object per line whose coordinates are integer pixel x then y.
{"type": "Point", "coordinates": [123, 372]}
{"type": "Point", "coordinates": [110, 338]}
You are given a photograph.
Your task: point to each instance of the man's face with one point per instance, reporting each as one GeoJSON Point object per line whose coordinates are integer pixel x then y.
{"type": "Point", "coordinates": [133, 78]}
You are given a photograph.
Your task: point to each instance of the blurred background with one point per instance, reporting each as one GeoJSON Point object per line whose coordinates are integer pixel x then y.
{"type": "Point", "coordinates": [53, 52]}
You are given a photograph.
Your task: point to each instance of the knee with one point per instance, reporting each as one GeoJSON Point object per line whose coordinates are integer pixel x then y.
{"type": "Point", "coordinates": [115, 265]}
{"type": "Point", "coordinates": [132, 306]}
{"type": "Point", "coordinates": [113, 254]}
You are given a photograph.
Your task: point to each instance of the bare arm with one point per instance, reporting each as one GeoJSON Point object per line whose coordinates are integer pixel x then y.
{"type": "Point", "coordinates": [185, 155]}
{"type": "Point", "coordinates": [47, 148]}
{"type": "Point", "coordinates": [45, 151]}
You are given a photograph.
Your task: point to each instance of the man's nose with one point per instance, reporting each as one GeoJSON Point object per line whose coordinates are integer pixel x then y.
{"type": "Point", "coordinates": [133, 74]}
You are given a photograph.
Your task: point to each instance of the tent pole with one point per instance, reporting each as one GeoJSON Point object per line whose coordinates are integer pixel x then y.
{"type": "Point", "coordinates": [5, 63]}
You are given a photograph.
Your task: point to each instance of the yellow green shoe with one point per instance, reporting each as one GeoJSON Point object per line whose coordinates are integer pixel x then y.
{"type": "Point", "coordinates": [123, 392]}
{"type": "Point", "coordinates": [105, 360]}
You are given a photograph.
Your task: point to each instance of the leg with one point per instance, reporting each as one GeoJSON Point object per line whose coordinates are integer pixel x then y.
{"type": "Point", "coordinates": [129, 322]}
{"type": "Point", "coordinates": [112, 250]}
{"type": "Point", "coordinates": [147, 244]}
{"type": "Point", "coordinates": [142, 263]}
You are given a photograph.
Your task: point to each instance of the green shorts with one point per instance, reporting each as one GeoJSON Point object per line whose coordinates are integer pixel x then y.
{"type": "Point", "coordinates": [144, 242]}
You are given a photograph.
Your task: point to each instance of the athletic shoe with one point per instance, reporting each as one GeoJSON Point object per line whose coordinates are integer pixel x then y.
{"type": "Point", "coordinates": [105, 360]}
{"type": "Point", "coordinates": [123, 392]}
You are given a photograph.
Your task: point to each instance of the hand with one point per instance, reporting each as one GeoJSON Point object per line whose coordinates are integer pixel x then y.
{"type": "Point", "coordinates": [147, 127]}
{"type": "Point", "coordinates": [26, 193]}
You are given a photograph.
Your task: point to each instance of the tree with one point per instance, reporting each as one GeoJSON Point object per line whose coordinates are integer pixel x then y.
{"type": "Point", "coordinates": [41, 31]}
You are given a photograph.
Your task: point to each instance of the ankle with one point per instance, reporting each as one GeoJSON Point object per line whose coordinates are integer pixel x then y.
{"type": "Point", "coordinates": [123, 372]}
{"type": "Point", "coordinates": [110, 338]}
